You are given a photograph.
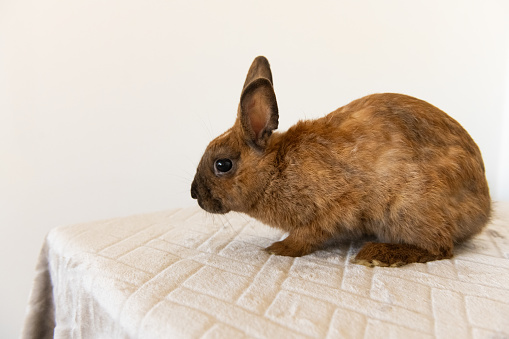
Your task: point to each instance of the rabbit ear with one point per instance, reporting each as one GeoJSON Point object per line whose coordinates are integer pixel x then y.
{"type": "Point", "coordinates": [258, 112]}
{"type": "Point", "coordinates": [260, 68]}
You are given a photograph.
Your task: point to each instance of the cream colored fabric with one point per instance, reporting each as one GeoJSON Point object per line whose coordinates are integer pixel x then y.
{"type": "Point", "coordinates": [186, 274]}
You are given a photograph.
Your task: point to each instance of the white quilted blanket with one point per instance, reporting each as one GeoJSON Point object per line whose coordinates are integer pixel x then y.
{"type": "Point", "coordinates": [186, 274]}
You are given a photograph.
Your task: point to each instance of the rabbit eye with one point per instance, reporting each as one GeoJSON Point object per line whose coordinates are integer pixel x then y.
{"type": "Point", "coordinates": [223, 165]}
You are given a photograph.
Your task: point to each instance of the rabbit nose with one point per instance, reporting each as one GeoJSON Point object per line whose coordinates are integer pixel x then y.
{"type": "Point", "coordinates": [194, 191]}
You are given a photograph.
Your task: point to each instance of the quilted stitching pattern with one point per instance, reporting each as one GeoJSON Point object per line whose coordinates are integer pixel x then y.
{"type": "Point", "coordinates": [187, 274]}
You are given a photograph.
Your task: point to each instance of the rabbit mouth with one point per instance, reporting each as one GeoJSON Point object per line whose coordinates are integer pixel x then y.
{"type": "Point", "coordinates": [205, 199]}
{"type": "Point", "coordinates": [212, 206]}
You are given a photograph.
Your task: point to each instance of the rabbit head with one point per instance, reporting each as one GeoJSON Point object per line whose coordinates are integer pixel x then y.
{"type": "Point", "coordinates": [234, 168]}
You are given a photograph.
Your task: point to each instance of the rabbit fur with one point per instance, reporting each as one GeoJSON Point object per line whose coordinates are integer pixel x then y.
{"type": "Point", "coordinates": [386, 165]}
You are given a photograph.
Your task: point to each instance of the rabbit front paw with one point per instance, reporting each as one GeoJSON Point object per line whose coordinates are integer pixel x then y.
{"type": "Point", "coordinates": [287, 248]}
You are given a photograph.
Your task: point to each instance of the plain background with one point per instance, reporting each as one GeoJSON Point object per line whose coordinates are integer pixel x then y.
{"type": "Point", "coordinates": [107, 106]}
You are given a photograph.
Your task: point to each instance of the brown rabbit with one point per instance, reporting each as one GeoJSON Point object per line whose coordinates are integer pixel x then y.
{"type": "Point", "coordinates": [386, 165]}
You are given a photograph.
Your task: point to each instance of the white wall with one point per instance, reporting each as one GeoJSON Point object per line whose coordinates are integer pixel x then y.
{"type": "Point", "coordinates": [106, 106]}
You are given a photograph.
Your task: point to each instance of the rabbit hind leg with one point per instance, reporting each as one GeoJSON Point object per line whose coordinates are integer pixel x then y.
{"type": "Point", "coordinates": [394, 255]}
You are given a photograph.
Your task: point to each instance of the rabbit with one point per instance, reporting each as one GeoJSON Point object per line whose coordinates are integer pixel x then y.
{"type": "Point", "coordinates": [388, 166]}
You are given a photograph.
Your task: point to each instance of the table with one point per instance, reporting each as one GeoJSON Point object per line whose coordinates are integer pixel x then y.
{"type": "Point", "coordinates": [183, 273]}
